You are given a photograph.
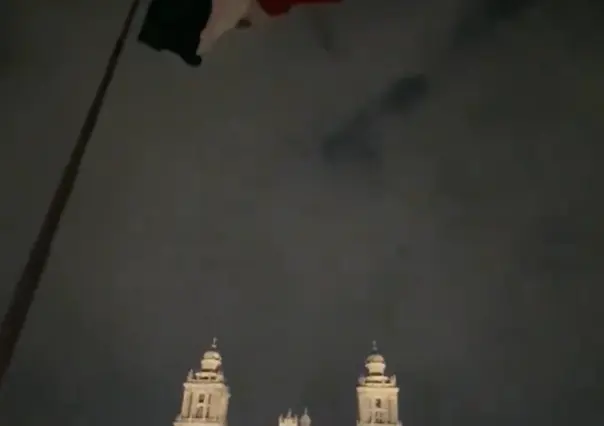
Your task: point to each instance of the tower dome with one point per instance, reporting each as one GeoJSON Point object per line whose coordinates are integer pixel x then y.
{"type": "Point", "coordinates": [375, 362]}
{"type": "Point", "coordinates": [212, 360]}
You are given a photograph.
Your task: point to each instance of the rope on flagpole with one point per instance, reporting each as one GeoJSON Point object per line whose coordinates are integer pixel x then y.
{"type": "Point", "coordinates": [25, 289]}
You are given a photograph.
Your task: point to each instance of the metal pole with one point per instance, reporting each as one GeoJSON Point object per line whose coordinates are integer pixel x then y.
{"type": "Point", "coordinates": [25, 289]}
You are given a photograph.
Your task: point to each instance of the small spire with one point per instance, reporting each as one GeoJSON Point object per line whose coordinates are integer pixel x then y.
{"type": "Point", "coordinates": [214, 343]}
{"type": "Point", "coordinates": [289, 413]}
{"type": "Point", "coordinates": [305, 418]}
{"type": "Point", "coordinates": [374, 347]}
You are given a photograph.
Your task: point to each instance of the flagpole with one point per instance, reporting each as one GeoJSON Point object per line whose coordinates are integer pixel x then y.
{"type": "Point", "coordinates": [25, 289]}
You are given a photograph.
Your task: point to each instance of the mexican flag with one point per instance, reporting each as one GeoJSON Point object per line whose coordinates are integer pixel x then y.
{"type": "Point", "coordinates": [190, 28]}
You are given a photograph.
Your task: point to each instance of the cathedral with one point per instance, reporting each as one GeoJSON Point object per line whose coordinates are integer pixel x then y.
{"type": "Point", "coordinates": [205, 400]}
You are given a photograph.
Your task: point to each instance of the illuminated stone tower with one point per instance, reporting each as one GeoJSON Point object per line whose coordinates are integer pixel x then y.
{"type": "Point", "coordinates": [206, 396]}
{"type": "Point", "coordinates": [377, 394]}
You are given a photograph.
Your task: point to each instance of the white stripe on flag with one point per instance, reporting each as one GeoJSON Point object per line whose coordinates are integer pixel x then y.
{"type": "Point", "coordinates": [225, 16]}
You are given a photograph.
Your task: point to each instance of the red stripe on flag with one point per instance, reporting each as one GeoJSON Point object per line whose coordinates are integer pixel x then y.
{"type": "Point", "coordinates": [280, 7]}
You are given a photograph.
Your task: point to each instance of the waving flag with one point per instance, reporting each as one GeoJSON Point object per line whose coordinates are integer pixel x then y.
{"type": "Point", "coordinates": [190, 28]}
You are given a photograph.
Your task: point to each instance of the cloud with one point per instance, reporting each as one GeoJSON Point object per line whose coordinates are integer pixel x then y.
{"type": "Point", "coordinates": [356, 139]}
{"type": "Point", "coordinates": [439, 201]}
{"type": "Point", "coordinates": [482, 17]}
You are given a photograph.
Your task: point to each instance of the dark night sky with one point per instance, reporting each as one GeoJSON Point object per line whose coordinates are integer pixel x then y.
{"type": "Point", "coordinates": [432, 184]}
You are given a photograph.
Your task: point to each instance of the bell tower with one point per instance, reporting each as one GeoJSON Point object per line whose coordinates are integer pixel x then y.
{"type": "Point", "coordinates": [206, 396]}
{"type": "Point", "coordinates": [377, 393]}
